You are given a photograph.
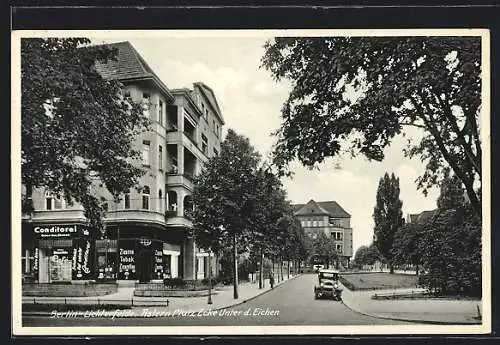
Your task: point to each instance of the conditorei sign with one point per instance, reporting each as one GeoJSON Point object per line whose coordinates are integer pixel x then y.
{"type": "Point", "coordinates": [58, 231]}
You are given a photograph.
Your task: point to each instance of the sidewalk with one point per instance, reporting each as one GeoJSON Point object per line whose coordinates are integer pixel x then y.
{"type": "Point", "coordinates": [436, 311]}
{"type": "Point", "coordinates": [222, 298]}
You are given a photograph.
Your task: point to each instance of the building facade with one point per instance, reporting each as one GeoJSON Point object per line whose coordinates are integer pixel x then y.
{"type": "Point", "coordinates": [146, 232]}
{"type": "Point", "coordinates": [331, 219]}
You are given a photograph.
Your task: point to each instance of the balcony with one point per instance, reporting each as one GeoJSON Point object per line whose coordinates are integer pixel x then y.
{"type": "Point", "coordinates": [189, 176]}
{"type": "Point", "coordinates": [170, 213]}
{"type": "Point", "coordinates": [173, 170]}
{"type": "Point", "coordinates": [189, 214]}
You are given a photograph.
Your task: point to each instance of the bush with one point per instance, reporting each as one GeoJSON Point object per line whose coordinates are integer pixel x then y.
{"type": "Point", "coordinates": [206, 281]}
{"type": "Point", "coordinates": [174, 282]}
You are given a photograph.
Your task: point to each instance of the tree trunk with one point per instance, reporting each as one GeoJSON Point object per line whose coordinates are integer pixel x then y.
{"type": "Point", "coordinates": [235, 268]}
{"type": "Point", "coordinates": [416, 269]}
{"type": "Point", "coordinates": [281, 267]}
{"type": "Point", "coordinates": [288, 269]}
{"type": "Point", "coordinates": [261, 273]}
{"type": "Point", "coordinates": [391, 268]}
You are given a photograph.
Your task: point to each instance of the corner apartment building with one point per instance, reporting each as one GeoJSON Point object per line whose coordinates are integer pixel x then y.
{"type": "Point", "coordinates": [146, 232]}
{"type": "Point", "coordinates": [330, 218]}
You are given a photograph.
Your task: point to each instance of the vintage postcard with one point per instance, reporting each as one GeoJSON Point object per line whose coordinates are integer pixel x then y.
{"type": "Point", "coordinates": [258, 182]}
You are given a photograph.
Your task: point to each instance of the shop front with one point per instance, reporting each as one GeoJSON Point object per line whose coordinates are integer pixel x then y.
{"type": "Point", "coordinates": [134, 259]}
{"type": "Point", "coordinates": [62, 253]}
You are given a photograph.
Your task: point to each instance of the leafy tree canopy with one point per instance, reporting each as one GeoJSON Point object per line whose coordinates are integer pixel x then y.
{"type": "Point", "coordinates": [367, 255]}
{"type": "Point", "coordinates": [77, 128]}
{"type": "Point", "coordinates": [387, 214]}
{"type": "Point", "coordinates": [359, 92]}
{"type": "Point", "coordinates": [452, 193]}
{"type": "Point", "coordinates": [224, 193]}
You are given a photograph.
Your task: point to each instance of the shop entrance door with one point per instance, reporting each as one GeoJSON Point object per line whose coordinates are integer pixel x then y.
{"type": "Point", "coordinates": [145, 264]}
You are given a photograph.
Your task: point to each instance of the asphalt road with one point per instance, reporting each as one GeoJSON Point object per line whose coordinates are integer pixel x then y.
{"type": "Point", "coordinates": [291, 303]}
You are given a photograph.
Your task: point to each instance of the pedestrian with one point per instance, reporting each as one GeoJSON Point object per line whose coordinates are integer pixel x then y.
{"type": "Point", "coordinates": [271, 279]}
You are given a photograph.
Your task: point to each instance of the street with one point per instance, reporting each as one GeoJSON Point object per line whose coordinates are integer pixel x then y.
{"type": "Point", "coordinates": [292, 303]}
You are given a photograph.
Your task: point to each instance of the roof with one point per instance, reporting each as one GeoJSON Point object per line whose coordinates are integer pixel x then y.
{"type": "Point", "coordinates": [187, 93]}
{"type": "Point", "coordinates": [413, 218]}
{"type": "Point", "coordinates": [331, 208]}
{"type": "Point", "coordinates": [210, 95]}
{"type": "Point", "coordinates": [426, 216]}
{"type": "Point", "coordinates": [129, 65]}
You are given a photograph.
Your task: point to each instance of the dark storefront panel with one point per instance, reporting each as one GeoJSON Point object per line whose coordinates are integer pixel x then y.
{"type": "Point", "coordinates": [107, 259]}
{"type": "Point", "coordinates": [140, 259]}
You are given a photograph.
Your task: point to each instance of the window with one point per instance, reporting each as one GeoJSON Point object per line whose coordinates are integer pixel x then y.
{"type": "Point", "coordinates": [315, 223]}
{"type": "Point", "coordinates": [53, 202]}
{"type": "Point", "coordinates": [206, 113]}
{"type": "Point", "coordinates": [216, 153]}
{"type": "Point", "coordinates": [145, 152]}
{"type": "Point", "coordinates": [160, 112]}
{"type": "Point", "coordinates": [126, 93]}
{"type": "Point", "coordinates": [204, 144]}
{"type": "Point", "coordinates": [160, 200]}
{"type": "Point", "coordinates": [145, 103]}
{"type": "Point", "coordinates": [127, 201]}
{"type": "Point", "coordinates": [215, 126]}
{"type": "Point", "coordinates": [172, 201]}
{"type": "Point", "coordinates": [48, 202]}
{"type": "Point", "coordinates": [335, 222]}
{"type": "Point", "coordinates": [175, 165]}
{"type": "Point", "coordinates": [337, 236]}
{"type": "Point", "coordinates": [338, 247]}
{"type": "Point", "coordinates": [160, 157]}
{"type": "Point", "coordinates": [105, 207]}
{"type": "Point", "coordinates": [145, 198]}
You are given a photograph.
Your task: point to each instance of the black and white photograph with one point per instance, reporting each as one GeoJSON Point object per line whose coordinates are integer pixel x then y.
{"type": "Point", "coordinates": [260, 182]}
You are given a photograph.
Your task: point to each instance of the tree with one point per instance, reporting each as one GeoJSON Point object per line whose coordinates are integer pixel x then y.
{"type": "Point", "coordinates": [451, 244]}
{"type": "Point", "coordinates": [358, 93]}
{"type": "Point", "coordinates": [266, 210]}
{"type": "Point", "coordinates": [388, 216]}
{"type": "Point", "coordinates": [367, 255]}
{"type": "Point", "coordinates": [452, 193]}
{"type": "Point", "coordinates": [324, 247]}
{"type": "Point", "coordinates": [77, 128]}
{"type": "Point", "coordinates": [452, 253]}
{"type": "Point", "coordinates": [407, 245]}
{"type": "Point", "coordinates": [224, 196]}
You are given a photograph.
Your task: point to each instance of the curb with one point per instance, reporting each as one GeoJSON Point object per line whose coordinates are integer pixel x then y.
{"type": "Point", "coordinates": [259, 294]}
{"type": "Point", "coordinates": [43, 313]}
{"type": "Point", "coordinates": [378, 316]}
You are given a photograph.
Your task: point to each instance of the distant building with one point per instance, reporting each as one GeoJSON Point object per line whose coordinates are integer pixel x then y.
{"type": "Point", "coordinates": [328, 217]}
{"type": "Point", "coordinates": [421, 217]}
{"type": "Point", "coordinates": [146, 236]}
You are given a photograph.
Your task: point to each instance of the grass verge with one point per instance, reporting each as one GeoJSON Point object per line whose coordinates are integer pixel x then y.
{"type": "Point", "coordinates": [375, 281]}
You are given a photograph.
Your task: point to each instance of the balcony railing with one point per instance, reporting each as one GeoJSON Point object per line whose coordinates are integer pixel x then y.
{"type": "Point", "coordinates": [171, 127]}
{"type": "Point", "coordinates": [170, 213]}
{"type": "Point", "coordinates": [173, 170]}
{"type": "Point", "coordinates": [191, 137]}
{"type": "Point", "coordinates": [188, 175]}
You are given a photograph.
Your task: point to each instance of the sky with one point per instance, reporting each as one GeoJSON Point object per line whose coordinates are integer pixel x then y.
{"type": "Point", "coordinates": [251, 101]}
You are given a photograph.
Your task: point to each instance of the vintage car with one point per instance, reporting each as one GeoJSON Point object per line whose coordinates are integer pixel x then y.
{"type": "Point", "coordinates": [318, 267]}
{"type": "Point", "coordinates": [328, 285]}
